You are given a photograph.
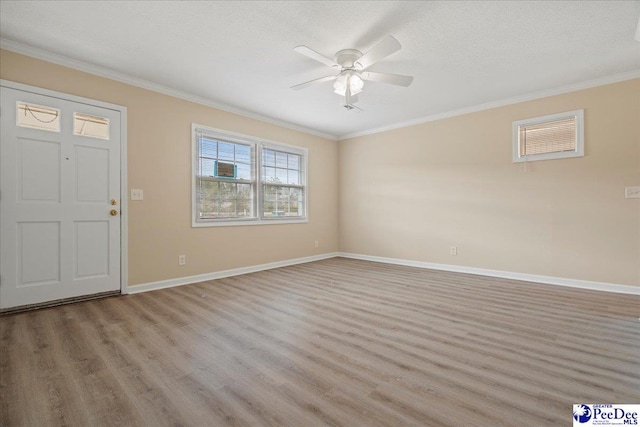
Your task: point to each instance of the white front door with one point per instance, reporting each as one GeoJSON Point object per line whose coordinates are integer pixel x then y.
{"type": "Point", "coordinates": [59, 198]}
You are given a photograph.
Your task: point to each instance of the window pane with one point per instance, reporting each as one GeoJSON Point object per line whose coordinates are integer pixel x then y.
{"type": "Point", "coordinates": [244, 191]}
{"type": "Point", "coordinates": [226, 151]}
{"type": "Point", "coordinates": [244, 171]}
{"type": "Point", "coordinates": [281, 201]}
{"type": "Point", "coordinates": [243, 153]}
{"type": "Point", "coordinates": [293, 161]}
{"type": "Point", "coordinates": [207, 167]}
{"type": "Point", "coordinates": [227, 208]}
{"type": "Point", "coordinates": [550, 137]}
{"type": "Point", "coordinates": [208, 190]}
{"type": "Point", "coordinates": [38, 117]}
{"type": "Point", "coordinates": [268, 157]}
{"type": "Point", "coordinates": [207, 209]}
{"type": "Point", "coordinates": [208, 148]}
{"type": "Point", "coordinates": [270, 193]}
{"type": "Point", "coordinates": [270, 175]}
{"type": "Point", "coordinates": [281, 176]}
{"type": "Point", "coordinates": [269, 209]}
{"type": "Point", "coordinates": [227, 189]}
{"type": "Point", "coordinates": [91, 126]}
{"type": "Point", "coordinates": [293, 177]}
{"type": "Point", "coordinates": [243, 208]}
{"type": "Point", "coordinates": [281, 159]}
{"type": "Point", "coordinates": [296, 202]}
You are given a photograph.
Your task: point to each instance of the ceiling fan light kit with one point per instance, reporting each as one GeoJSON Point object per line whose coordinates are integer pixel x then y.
{"type": "Point", "coordinates": [351, 62]}
{"type": "Point", "coordinates": [350, 78]}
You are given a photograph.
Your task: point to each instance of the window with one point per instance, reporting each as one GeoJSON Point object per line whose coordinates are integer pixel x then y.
{"type": "Point", "coordinates": [239, 180]}
{"type": "Point", "coordinates": [549, 137]}
{"type": "Point", "coordinates": [225, 177]}
{"type": "Point", "coordinates": [91, 126]}
{"type": "Point", "coordinates": [38, 117]}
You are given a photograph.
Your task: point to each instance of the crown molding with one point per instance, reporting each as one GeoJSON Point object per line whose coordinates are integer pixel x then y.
{"type": "Point", "coordinates": [501, 103]}
{"type": "Point", "coordinates": [165, 90]}
{"type": "Point", "coordinates": [86, 67]}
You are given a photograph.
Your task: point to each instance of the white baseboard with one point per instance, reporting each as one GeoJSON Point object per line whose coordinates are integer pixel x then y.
{"type": "Point", "coordinates": [573, 283]}
{"type": "Point", "coordinates": [152, 286]}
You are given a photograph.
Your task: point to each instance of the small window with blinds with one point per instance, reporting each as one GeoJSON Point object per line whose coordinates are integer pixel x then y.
{"type": "Point", "coordinates": [555, 136]}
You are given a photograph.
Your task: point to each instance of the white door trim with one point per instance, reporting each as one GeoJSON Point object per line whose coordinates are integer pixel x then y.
{"type": "Point", "coordinates": [123, 162]}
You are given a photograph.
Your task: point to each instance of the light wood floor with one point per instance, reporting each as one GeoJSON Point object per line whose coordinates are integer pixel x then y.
{"type": "Point", "coordinates": [335, 342]}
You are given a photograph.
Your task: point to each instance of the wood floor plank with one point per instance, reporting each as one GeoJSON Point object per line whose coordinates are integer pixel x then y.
{"type": "Point", "coordinates": [337, 342]}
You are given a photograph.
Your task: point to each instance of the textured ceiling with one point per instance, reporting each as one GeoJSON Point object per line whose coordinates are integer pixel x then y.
{"type": "Point", "coordinates": [240, 54]}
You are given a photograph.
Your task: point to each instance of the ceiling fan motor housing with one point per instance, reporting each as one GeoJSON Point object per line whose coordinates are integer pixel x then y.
{"type": "Point", "coordinates": [347, 58]}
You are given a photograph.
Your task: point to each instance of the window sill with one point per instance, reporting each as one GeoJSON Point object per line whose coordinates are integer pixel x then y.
{"type": "Point", "coordinates": [196, 224]}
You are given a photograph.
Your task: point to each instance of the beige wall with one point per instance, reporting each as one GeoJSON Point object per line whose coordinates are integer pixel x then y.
{"type": "Point", "coordinates": [414, 192]}
{"type": "Point", "coordinates": [410, 193]}
{"type": "Point", "coordinates": [159, 162]}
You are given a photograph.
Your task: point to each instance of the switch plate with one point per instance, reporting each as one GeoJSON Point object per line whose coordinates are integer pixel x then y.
{"type": "Point", "coordinates": [632, 192]}
{"type": "Point", "coordinates": [137, 194]}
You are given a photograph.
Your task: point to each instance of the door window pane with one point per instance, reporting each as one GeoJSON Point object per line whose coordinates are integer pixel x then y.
{"type": "Point", "coordinates": [91, 126]}
{"type": "Point", "coordinates": [38, 117]}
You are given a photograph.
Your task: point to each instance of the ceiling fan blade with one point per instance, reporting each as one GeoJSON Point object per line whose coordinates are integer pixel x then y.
{"type": "Point", "coordinates": [310, 53]}
{"type": "Point", "coordinates": [312, 82]}
{"type": "Point", "coordinates": [394, 79]}
{"type": "Point", "coordinates": [383, 49]}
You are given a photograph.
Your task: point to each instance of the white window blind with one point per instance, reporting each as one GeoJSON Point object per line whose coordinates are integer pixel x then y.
{"type": "Point", "coordinates": [549, 137]}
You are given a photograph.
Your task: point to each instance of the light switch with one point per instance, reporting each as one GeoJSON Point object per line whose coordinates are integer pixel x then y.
{"type": "Point", "coordinates": [632, 192]}
{"type": "Point", "coordinates": [137, 194]}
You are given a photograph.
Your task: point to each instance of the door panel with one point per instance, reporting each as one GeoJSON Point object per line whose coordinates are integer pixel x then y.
{"type": "Point", "coordinates": [91, 249]}
{"type": "Point", "coordinates": [59, 172]}
{"type": "Point", "coordinates": [38, 170]}
{"type": "Point", "coordinates": [92, 174]}
{"type": "Point", "coordinates": [38, 248]}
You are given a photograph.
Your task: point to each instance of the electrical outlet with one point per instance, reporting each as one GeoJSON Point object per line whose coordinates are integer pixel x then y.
{"type": "Point", "coordinates": [182, 259]}
{"type": "Point", "coordinates": [316, 244]}
{"type": "Point", "coordinates": [453, 250]}
{"type": "Point", "coordinates": [632, 192]}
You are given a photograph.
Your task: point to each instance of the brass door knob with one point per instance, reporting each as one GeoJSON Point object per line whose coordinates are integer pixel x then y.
{"type": "Point", "coordinates": [113, 212]}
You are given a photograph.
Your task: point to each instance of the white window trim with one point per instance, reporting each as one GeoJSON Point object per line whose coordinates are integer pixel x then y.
{"type": "Point", "coordinates": [578, 152]}
{"type": "Point", "coordinates": [258, 143]}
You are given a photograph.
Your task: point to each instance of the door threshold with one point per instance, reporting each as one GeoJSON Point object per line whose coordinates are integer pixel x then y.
{"type": "Point", "coordinates": [55, 303]}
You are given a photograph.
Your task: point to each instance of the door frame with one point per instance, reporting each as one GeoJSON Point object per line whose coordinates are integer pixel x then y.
{"type": "Point", "coordinates": [123, 161]}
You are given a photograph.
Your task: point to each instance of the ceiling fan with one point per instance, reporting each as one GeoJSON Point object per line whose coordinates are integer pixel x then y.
{"type": "Point", "coordinates": [352, 66]}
